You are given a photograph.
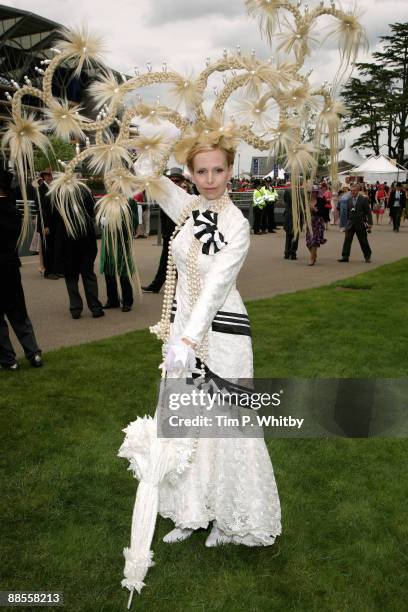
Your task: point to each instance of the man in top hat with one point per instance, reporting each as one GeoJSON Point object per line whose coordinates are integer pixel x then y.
{"type": "Point", "coordinates": [46, 224]}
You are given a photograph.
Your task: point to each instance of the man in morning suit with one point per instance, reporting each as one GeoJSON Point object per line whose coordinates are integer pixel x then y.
{"type": "Point", "coordinates": [397, 203]}
{"type": "Point", "coordinates": [359, 219]}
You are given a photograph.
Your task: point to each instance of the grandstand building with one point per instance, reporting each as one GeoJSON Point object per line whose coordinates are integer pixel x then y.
{"type": "Point", "coordinates": [25, 41]}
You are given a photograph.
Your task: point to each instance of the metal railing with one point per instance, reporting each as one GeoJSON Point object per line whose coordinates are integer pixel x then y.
{"type": "Point", "coordinates": [242, 199]}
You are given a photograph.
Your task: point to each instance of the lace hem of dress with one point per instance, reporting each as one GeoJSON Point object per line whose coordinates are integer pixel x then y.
{"type": "Point", "coordinates": [247, 537]}
{"type": "Point", "coordinates": [186, 524]}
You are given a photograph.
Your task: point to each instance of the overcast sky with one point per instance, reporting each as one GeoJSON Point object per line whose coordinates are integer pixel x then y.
{"type": "Point", "coordinates": [185, 32]}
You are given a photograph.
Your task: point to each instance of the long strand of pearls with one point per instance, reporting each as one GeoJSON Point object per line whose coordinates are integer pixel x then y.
{"type": "Point", "coordinates": [162, 328]}
{"type": "Point", "coordinates": [194, 288]}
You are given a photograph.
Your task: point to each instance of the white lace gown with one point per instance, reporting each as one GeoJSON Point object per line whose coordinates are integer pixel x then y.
{"type": "Point", "coordinates": [230, 480]}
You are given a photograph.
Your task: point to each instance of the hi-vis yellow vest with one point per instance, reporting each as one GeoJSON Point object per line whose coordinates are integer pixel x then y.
{"type": "Point", "coordinates": [270, 195]}
{"type": "Point", "coordinates": [258, 198]}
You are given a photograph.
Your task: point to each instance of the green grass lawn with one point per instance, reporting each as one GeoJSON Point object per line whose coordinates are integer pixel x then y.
{"type": "Point", "coordinates": [67, 499]}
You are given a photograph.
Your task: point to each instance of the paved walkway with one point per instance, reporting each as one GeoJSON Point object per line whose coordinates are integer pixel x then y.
{"type": "Point", "coordinates": [264, 274]}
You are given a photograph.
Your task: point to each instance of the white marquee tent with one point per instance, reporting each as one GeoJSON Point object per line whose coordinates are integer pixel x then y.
{"type": "Point", "coordinates": [379, 168]}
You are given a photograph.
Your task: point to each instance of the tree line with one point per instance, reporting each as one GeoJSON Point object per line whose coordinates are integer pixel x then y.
{"type": "Point", "coordinates": [378, 97]}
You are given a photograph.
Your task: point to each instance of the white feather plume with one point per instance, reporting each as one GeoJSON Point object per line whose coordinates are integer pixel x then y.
{"type": "Point", "coordinates": [81, 47]}
{"type": "Point", "coordinates": [64, 119]}
{"type": "Point", "coordinates": [106, 90]}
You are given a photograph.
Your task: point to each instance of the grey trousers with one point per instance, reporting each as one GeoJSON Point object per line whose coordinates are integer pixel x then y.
{"type": "Point", "coordinates": [21, 324]}
{"type": "Point", "coordinates": [90, 284]}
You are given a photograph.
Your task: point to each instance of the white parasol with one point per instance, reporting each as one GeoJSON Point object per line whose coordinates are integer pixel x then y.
{"type": "Point", "coordinates": [151, 459]}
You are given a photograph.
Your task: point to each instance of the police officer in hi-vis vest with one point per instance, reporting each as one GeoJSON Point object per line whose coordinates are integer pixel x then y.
{"type": "Point", "coordinates": [258, 200]}
{"type": "Point", "coordinates": [270, 197]}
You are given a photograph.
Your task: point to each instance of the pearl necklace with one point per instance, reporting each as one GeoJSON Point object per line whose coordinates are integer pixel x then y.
{"type": "Point", "coordinates": [162, 328]}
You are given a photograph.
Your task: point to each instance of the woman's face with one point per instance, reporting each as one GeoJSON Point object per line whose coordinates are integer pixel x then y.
{"type": "Point", "coordinates": [211, 173]}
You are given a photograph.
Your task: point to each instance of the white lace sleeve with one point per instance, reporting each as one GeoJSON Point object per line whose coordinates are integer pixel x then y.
{"type": "Point", "coordinates": [219, 281]}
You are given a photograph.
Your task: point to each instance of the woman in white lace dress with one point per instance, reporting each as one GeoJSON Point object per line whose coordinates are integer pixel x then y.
{"type": "Point", "coordinates": [228, 482]}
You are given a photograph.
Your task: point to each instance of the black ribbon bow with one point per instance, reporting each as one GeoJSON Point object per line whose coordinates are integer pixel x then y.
{"type": "Point", "coordinates": [206, 231]}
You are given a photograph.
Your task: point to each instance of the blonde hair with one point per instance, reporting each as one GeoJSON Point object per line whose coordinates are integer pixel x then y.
{"type": "Point", "coordinates": [204, 148]}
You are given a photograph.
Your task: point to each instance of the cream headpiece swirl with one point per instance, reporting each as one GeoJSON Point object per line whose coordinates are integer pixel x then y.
{"type": "Point", "coordinates": [277, 101]}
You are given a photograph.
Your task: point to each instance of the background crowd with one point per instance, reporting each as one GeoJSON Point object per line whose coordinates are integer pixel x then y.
{"type": "Point", "coordinates": [62, 255]}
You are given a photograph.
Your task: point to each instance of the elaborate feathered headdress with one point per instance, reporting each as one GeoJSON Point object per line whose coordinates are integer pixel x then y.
{"type": "Point", "coordinates": [263, 85]}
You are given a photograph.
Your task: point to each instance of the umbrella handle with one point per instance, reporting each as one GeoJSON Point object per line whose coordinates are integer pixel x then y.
{"type": "Point", "coordinates": [130, 599]}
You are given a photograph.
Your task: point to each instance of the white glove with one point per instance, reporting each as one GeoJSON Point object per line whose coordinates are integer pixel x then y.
{"type": "Point", "coordinates": [179, 356]}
